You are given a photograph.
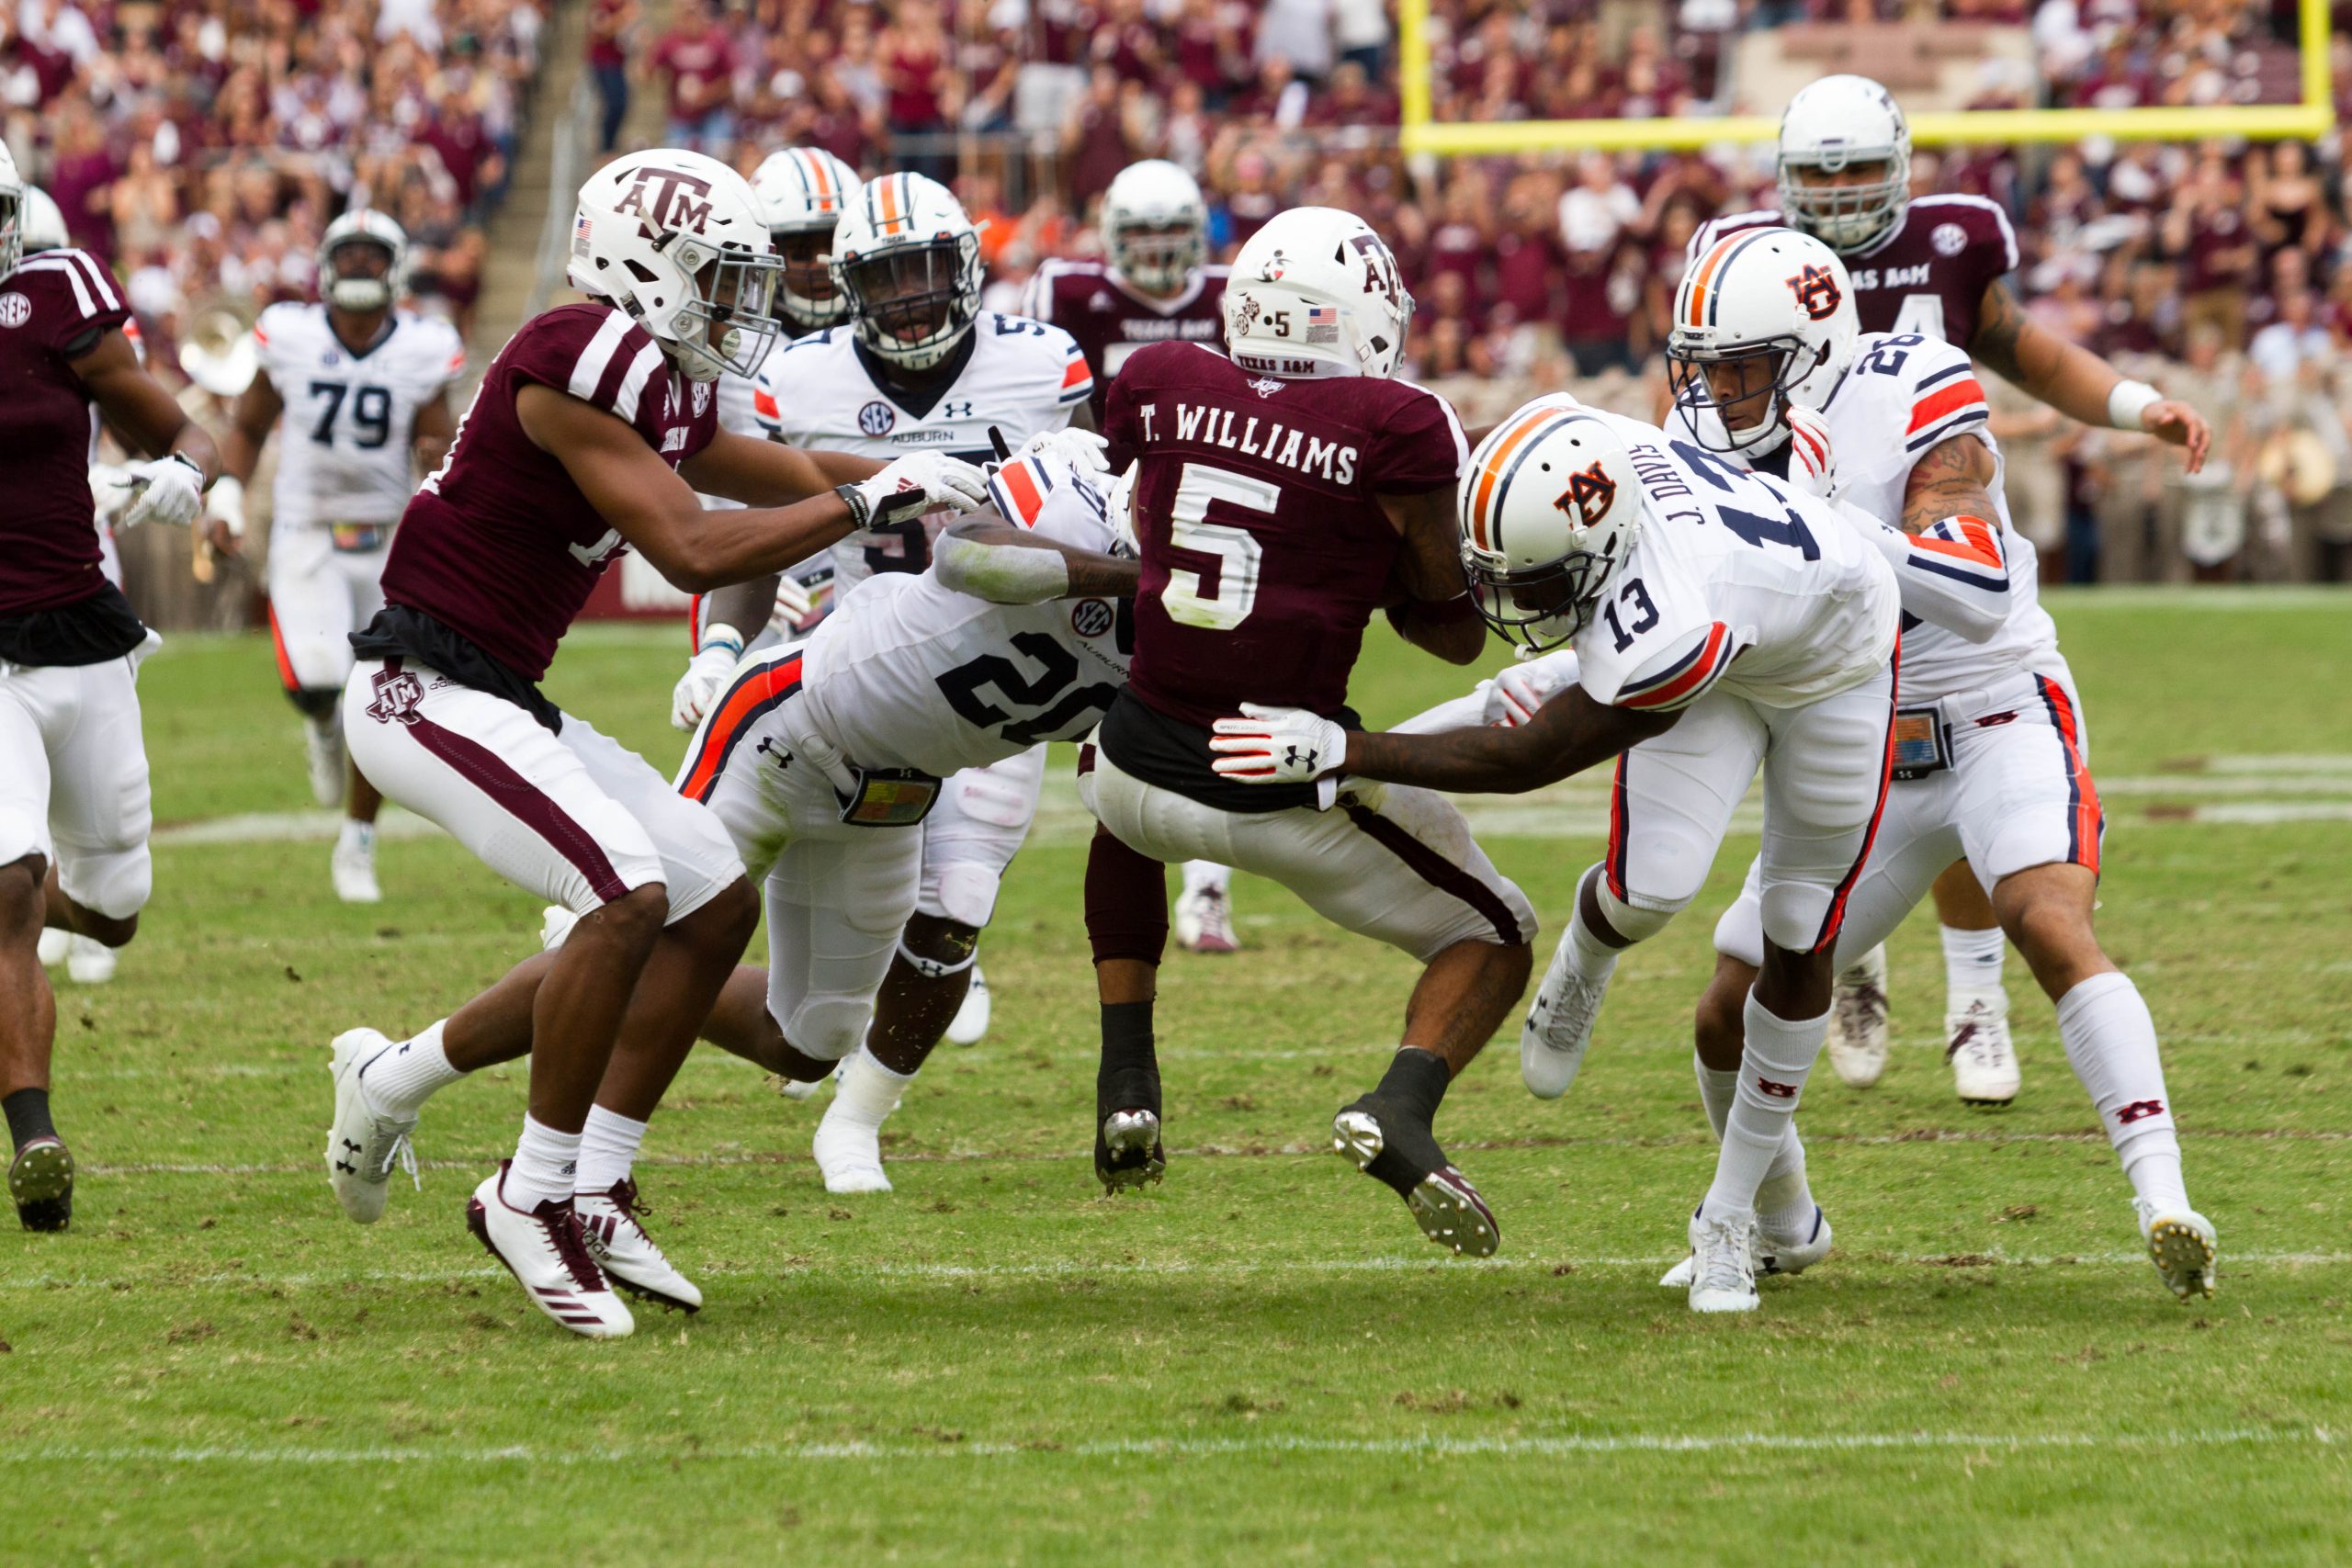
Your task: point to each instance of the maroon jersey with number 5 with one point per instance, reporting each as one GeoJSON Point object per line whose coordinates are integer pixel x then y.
{"type": "Point", "coordinates": [500, 545]}
{"type": "Point", "coordinates": [1265, 549]}
{"type": "Point", "coordinates": [1111, 321]}
{"type": "Point", "coordinates": [1926, 274]}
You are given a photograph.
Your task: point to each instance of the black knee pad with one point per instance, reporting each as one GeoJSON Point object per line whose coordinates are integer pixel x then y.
{"type": "Point", "coordinates": [315, 702]}
{"type": "Point", "coordinates": [1126, 902]}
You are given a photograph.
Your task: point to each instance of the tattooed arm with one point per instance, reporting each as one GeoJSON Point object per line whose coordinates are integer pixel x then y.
{"type": "Point", "coordinates": [1946, 548]}
{"type": "Point", "coordinates": [2071, 379]}
{"type": "Point", "coordinates": [1954, 479]}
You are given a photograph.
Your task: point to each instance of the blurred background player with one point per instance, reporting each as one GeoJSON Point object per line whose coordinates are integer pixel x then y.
{"type": "Point", "coordinates": [360, 389]}
{"type": "Point", "coordinates": [1155, 284]}
{"type": "Point", "coordinates": [801, 191]}
{"type": "Point", "coordinates": [1934, 267]}
{"type": "Point", "coordinates": [1321, 488]}
{"type": "Point", "coordinates": [1992, 755]}
{"type": "Point", "coordinates": [921, 368]}
{"type": "Point", "coordinates": [74, 796]}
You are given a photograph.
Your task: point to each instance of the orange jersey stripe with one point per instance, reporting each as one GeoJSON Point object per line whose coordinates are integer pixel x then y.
{"type": "Point", "coordinates": [277, 646]}
{"type": "Point", "coordinates": [1076, 374]}
{"type": "Point", "coordinates": [1943, 400]}
{"type": "Point", "coordinates": [1983, 546]}
{"type": "Point", "coordinates": [1026, 499]}
{"type": "Point", "coordinates": [1701, 671]}
{"type": "Point", "coordinates": [764, 401]}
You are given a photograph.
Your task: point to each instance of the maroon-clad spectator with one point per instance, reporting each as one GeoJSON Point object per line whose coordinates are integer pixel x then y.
{"type": "Point", "coordinates": [1059, 30]}
{"type": "Point", "coordinates": [913, 55]}
{"type": "Point", "coordinates": [1128, 43]}
{"type": "Point", "coordinates": [1213, 47]}
{"type": "Point", "coordinates": [1253, 198]}
{"type": "Point", "coordinates": [1604, 293]}
{"type": "Point", "coordinates": [1095, 141]}
{"type": "Point", "coordinates": [1350, 100]}
{"type": "Point", "coordinates": [457, 136]}
{"type": "Point", "coordinates": [698, 55]}
{"type": "Point", "coordinates": [1462, 243]}
{"type": "Point", "coordinates": [2118, 81]}
{"type": "Point", "coordinates": [81, 176]}
{"type": "Point", "coordinates": [2207, 231]}
{"type": "Point", "coordinates": [1529, 262]}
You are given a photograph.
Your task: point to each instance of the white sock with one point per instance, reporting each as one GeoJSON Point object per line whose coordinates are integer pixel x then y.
{"type": "Point", "coordinates": [357, 835]}
{"type": "Point", "coordinates": [609, 1147]}
{"type": "Point", "coordinates": [1784, 1199]}
{"type": "Point", "coordinates": [1591, 959]}
{"type": "Point", "coordinates": [2111, 1044]}
{"type": "Point", "coordinates": [867, 1091]}
{"type": "Point", "coordinates": [403, 1077]}
{"type": "Point", "coordinates": [545, 1167]}
{"type": "Point", "coordinates": [1206, 875]}
{"type": "Point", "coordinates": [1780, 1053]}
{"type": "Point", "coordinates": [1972, 960]}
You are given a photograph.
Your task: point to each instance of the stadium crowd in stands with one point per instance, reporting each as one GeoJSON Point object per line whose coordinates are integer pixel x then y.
{"type": "Point", "coordinates": [201, 149]}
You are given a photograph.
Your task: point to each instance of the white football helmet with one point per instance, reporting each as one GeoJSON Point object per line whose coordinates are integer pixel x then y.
{"type": "Point", "coordinates": [908, 260]}
{"type": "Point", "coordinates": [678, 241]}
{"type": "Point", "coordinates": [1832, 125]}
{"type": "Point", "coordinates": [803, 190]}
{"type": "Point", "coordinates": [43, 222]}
{"type": "Point", "coordinates": [381, 291]}
{"type": "Point", "coordinates": [1316, 292]}
{"type": "Point", "coordinates": [1154, 225]}
{"type": "Point", "coordinates": [1775, 310]}
{"type": "Point", "coordinates": [1549, 508]}
{"type": "Point", "coordinates": [12, 212]}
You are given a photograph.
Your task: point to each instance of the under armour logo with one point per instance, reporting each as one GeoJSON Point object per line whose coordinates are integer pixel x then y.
{"type": "Point", "coordinates": [1291, 758]}
{"type": "Point", "coordinates": [956, 409]}
{"type": "Point", "coordinates": [1777, 1091]}
{"type": "Point", "coordinates": [2139, 1110]}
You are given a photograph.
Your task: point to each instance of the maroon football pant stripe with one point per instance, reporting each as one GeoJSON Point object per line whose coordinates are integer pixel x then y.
{"type": "Point", "coordinates": [523, 800]}
{"type": "Point", "coordinates": [1440, 872]}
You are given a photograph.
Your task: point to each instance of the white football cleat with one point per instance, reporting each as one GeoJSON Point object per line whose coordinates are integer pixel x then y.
{"type": "Point", "coordinates": [849, 1153]}
{"type": "Point", "coordinates": [1559, 1025]}
{"type": "Point", "coordinates": [1774, 1253]}
{"type": "Point", "coordinates": [1857, 1039]}
{"type": "Point", "coordinates": [609, 1222]}
{"type": "Point", "coordinates": [547, 1253]}
{"type": "Point", "coordinates": [1983, 1063]}
{"type": "Point", "coordinates": [1203, 919]}
{"type": "Point", "coordinates": [354, 864]}
{"type": "Point", "coordinates": [323, 745]}
{"type": "Point", "coordinates": [54, 945]}
{"type": "Point", "coordinates": [362, 1145]}
{"type": "Point", "coordinates": [88, 960]}
{"type": "Point", "coordinates": [2181, 1246]}
{"type": "Point", "coordinates": [971, 1021]}
{"type": "Point", "coordinates": [1722, 1265]}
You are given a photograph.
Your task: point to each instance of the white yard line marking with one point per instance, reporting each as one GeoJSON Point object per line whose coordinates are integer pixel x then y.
{"type": "Point", "coordinates": [862, 1269]}
{"type": "Point", "coordinates": [1565, 1444]}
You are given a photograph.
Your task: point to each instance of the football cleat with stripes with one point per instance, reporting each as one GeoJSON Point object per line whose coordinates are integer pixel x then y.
{"type": "Point", "coordinates": [612, 1223]}
{"type": "Point", "coordinates": [1856, 1040]}
{"type": "Point", "coordinates": [1396, 1147]}
{"type": "Point", "coordinates": [547, 1252]}
{"type": "Point", "coordinates": [2181, 1246]}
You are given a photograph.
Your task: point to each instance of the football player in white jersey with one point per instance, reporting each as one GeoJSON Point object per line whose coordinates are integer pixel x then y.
{"type": "Point", "coordinates": [1991, 754]}
{"type": "Point", "coordinates": [360, 389]}
{"type": "Point", "coordinates": [1156, 284]}
{"type": "Point", "coordinates": [802, 191]}
{"type": "Point", "coordinates": [921, 368]}
{"type": "Point", "coordinates": [1720, 621]}
{"type": "Point", "coordinates": [828, 761]}
{"type": "Point", "coordinates": [1937, 266]}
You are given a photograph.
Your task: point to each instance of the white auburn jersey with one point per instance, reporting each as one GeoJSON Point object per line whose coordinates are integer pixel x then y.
{"type": "Point", "coordinates": [907, 672]}
{"type": "Point", "coordinates": [347, 438]}
{"type": "Point", "coordinates": [1904, 396]}
{"type": "Point", "coordinates": [1022, 377]}
{"type": "Point", "coordinates": [1737, 583]}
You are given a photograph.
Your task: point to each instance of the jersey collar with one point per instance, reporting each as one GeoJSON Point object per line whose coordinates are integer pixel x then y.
{"type": "Point", "coordinates": [392, 325]}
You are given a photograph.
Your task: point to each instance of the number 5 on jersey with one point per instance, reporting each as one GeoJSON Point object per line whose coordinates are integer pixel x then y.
{"type": "Point", "coordinates": [1218, 592]}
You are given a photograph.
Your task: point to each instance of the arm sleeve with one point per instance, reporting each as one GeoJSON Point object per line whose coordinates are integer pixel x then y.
{"type": "Point", "coordinates": [1678, 671]}
{"type": "Point", "coordinates": [1955, 575]}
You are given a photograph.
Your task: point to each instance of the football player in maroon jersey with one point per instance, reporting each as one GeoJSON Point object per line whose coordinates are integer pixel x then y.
{"type": "Point", "coordinates": [1156, 284]}
{"type": "Point", "coordinates": [1936, 266]}
{"type": "Point", "coordinates": [1281, 497]}
{"type": "Point", "coordinates": [74, 801]}
{"type": "Point", "coordinates": [590, 434]}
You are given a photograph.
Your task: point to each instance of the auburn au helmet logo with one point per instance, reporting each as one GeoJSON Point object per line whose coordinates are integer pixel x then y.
{"type": "Point", "coordinates": [1817, 291]}
{"type": "Point", "coordinates": [1589, 495]}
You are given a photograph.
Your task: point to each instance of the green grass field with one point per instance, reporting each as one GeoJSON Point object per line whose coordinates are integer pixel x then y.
{"type": "Point", "coordinates": [1262, 1359]}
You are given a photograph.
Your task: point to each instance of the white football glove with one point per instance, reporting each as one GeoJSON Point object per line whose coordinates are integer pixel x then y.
{"type": "Point", "coordinates": [171, 491]}
{"type": "Point", "coordinates": [913, 485]}
{"type": "Point", "coordinates": [1083, 451]}
{"type": "Point", "coordinates": [793, 602]}
{"type": "Point", "coordinates": [1270, 745]}
{"type": "Point", "coordinates": [706, 672]}
{"type": "Point", "coordinates": [1515, 693]}
{"type": "Point", "coordinates": [111, 491]}
{"type": "Point", "coordinates": [226, 501]}
{"type": "Point", "coordinates": [1812, 469]}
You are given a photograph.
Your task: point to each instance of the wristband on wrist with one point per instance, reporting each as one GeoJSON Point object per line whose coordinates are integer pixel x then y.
{"type": "Point", "coordinates": [719, 633]}
{"type": "Point", "coordinates": [861, 510]}
{"type": "Point", "coordinates": [2127, 401]}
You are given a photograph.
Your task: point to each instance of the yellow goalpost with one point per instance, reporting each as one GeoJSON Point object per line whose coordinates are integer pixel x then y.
{"type": "Point", "coordinates": [2259, 122]}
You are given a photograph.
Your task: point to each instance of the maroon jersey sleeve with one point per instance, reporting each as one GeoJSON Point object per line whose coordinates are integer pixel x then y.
{"type": "Point", "coordinates": [1421, 446]}
{"type": "Point", "coordinates": [53, 307]}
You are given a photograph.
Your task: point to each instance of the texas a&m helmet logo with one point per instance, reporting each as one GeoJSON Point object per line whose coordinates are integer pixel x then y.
{"type": "Point", "coordinates": [1589, 495]}
{"type": "Point", "coordinates": [666, 198]}
{"type": "Point", "coordinates": [1817, 291]}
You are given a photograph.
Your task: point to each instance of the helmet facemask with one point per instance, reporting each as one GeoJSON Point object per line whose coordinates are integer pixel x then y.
{"type": "Point", "coordinates": [806, 292]}
{"type": "Point", "coordinates": [360, 290]}
{"type": "Point", "coordinates": [1536, 607]}
{"type": "Point", "coordinates": [1158, 254]}
{"type": "Point", "coordinates": [1734, 398]}
{"type": "Point", "coordinates": [1846, 214]}
{"type": "Point", "coordinates": [12, 228]}
{"type": "Point", "coordinates": [912, 303]}
{"type": "Point", "coordinates": [725, 326]}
